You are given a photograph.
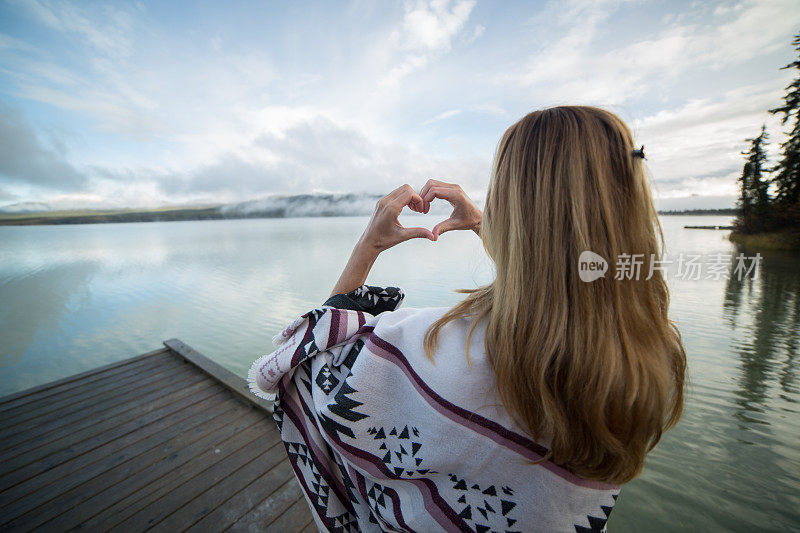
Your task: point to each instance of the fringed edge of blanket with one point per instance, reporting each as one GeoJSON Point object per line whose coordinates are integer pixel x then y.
{"type": "Point", "coordinates": [252, 375]}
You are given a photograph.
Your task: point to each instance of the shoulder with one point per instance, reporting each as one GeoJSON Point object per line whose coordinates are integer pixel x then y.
{"type": "Point", "coordinates": [383, 315]}
{"type": "Point", "coordinates": [409, 319]}
{"type": "Point", "coordinates": [398, 337]}
{"type": "Point", "coordinates": [409, 325]}
{"type": "Point", "coordinates": [406, 329]}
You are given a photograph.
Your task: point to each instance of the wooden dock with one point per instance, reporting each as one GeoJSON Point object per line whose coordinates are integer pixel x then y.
{"type": "Point", "coordinates": [708, 227]}
{"type": "Point", "coordinates": [164, 441]}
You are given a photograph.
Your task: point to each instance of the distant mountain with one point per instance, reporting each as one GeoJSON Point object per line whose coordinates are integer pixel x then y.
{"type": "Point", "coordinates": [303, 205]}
{"type": "Point", "coordinates": [25, 207]}
{"type": "Point", "coordinates": [276, 206]}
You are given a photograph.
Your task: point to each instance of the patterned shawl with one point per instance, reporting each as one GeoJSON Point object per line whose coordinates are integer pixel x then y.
{"type": "Point", "coordinates": [383, 439]}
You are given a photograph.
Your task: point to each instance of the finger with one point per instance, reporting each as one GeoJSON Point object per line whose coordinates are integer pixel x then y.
{"type": "Point", "coordinates": [416, 203]}
{"type": "Point", "coordinates": [416, 233]}
{"type": "Point", "coordinates": [394, 200]}
{"type": "Point", "coordinates": [409, 197]}
{"type": "Point", "coordinates": [424, 190]}
{"type": "Point", "coordinates": [390, 198]}
{"type": "Point", "coordinates": [451, 194]}
{"type": "Point", "coordinates": [428, 186]}
{"type": "Point", "coordinates": [426, 206]}
{"type": "Point", "coordinates": [435, 183]}
{"type": "Point", "coordinates": [445, 226]}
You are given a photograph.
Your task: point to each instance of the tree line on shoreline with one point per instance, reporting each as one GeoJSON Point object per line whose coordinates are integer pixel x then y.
{"type": "Point", "coordinates": [769, 199]}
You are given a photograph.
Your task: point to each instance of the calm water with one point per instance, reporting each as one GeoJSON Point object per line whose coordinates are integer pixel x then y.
{"type": "Point", "coordinates": [75, 297]}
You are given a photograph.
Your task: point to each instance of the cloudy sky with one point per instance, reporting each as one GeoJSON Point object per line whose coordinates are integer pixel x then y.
{"type": "Point", "coordinates": [140, 104]}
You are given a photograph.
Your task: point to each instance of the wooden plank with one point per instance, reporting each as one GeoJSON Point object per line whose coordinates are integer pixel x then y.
{"type": "Point", "coordinates": [59, 396]}
{"type": "Point", "coordinates": [107, 436]}
{"type": "Point", "coordinates": [45, 431]}
{"type": "Point", "coordinates": [292, 520]}
{"type": "Point", "coordinates": [70, 490]}
{"type": "Point", "coordinates": [91, 394]}
{"type": "Point", "coordinates": [69, 387]}
{"type": "Point", "coordinates": [194, 479]}
{"type": "Point", "coordinates": [33, 391]}
{"type": "Point", "coordinates": [156, 472]}
{"type": "Point", "coordinates": [80, 397]}
{"type": "Point", "coordinates": [231, 380]}
{"type": "Point", "coordinates": [273, 485]}
{"type": "Point", "coordinates": [132, 448]}
{"type": "Point", "coordinates": [207, 512]}
{"type": "Point", "coordinates": [278, 499]}
{"type": "Point", "coordinates": [311, 527]}
{"type": "Point", "coordinates": [83, 467]}
{"type": "Point", "coordinates": [50, 433]}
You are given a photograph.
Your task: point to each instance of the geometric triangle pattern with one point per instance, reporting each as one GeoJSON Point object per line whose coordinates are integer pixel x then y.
{"type": "Point", "coordinates": [400, 450]}
{"type": "Point", "coordinates": [326, 380]}
{"type": "Point", "coordinates": [376, 299]}
{"type": "Point", "coordinates": [485, 507]}
{"type": "Point", "coordinates": [597, 524]}
{"type": "Point", "coordinates": [347, 522]}
{"type": "Point", "coordinates": [277, 413]}
{"type": "Point", "coordinates": [319, 490]}
{"type": "Point", "coordinates": [343, 407]}
{"type": "Point", "coordinates": [378, 500]}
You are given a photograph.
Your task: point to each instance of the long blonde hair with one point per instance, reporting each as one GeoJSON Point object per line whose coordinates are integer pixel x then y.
{"type": "Point", "coordinates": [597, 368]}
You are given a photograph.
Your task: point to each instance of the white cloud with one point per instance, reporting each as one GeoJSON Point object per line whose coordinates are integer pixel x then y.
{"type": "Point", "coordinates": [106, 29]}
{"type": "Point", "coordinates": [442, 116]}
{"type": "Point", "coordinates": [427, 31]}
{"type": "Point", "coordinates": [489, 109]}
{"type": "Point", "coordinates": [431, 25]}
{"type": "Point", "coordinates": [10, 43]}
{"type": "Point", "coordinates": [320, 154]}
{"type": "Point", "coordinates": [306, 154]}
{"type": "Point", "coordinates": [479, 30]}
{"type": "Point", "coordinates": [571, 68]}
{"type": "Point", "coordinates": [25, 159]}
{"type": "Point", "coordinates": [695, 149]}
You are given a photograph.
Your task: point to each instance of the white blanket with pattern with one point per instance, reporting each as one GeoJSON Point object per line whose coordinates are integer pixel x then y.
{"type": "Point", "coordinates": [383, 439]}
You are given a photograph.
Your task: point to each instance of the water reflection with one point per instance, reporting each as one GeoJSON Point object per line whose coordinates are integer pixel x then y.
{"type": "Point", "coordinates": [769, 308]}
{"type": "Point", "coordinates": [33, 304]}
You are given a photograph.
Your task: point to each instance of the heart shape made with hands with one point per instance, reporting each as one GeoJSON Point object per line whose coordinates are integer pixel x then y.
{"type": "Point", "coordinates": [421, 219]}
{"type": "Point", "coordinates": [465, 215]}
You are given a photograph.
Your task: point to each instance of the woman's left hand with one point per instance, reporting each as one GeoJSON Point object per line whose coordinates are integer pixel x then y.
{"type": "Point", "coordinates": [384, 230]}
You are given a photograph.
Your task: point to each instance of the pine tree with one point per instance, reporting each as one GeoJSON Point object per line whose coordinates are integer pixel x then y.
{"type": "Point", "coordinates": [787, 173]}
{"type": "Point", "coordinates": [754, 201]}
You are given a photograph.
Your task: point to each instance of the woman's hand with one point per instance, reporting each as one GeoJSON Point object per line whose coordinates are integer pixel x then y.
{"type": "Point", "coordinates": [465, 215]}
{"type": "Point", "coordinates": [384, 230]}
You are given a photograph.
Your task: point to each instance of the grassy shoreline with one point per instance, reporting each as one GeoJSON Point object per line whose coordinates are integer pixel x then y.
{"type": "Point", "coordinates": [114, 215]}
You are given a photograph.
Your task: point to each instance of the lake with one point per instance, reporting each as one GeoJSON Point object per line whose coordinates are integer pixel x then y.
{"type": "Point", "coordinates": [76, 297]}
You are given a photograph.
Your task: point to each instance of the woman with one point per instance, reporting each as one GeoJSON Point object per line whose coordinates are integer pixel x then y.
{"type": "Point", "coordinates": [526, 406]}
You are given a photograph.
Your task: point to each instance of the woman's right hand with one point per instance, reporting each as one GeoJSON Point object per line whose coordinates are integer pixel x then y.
{"type": "Point", "coordinates": [465, 216]}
